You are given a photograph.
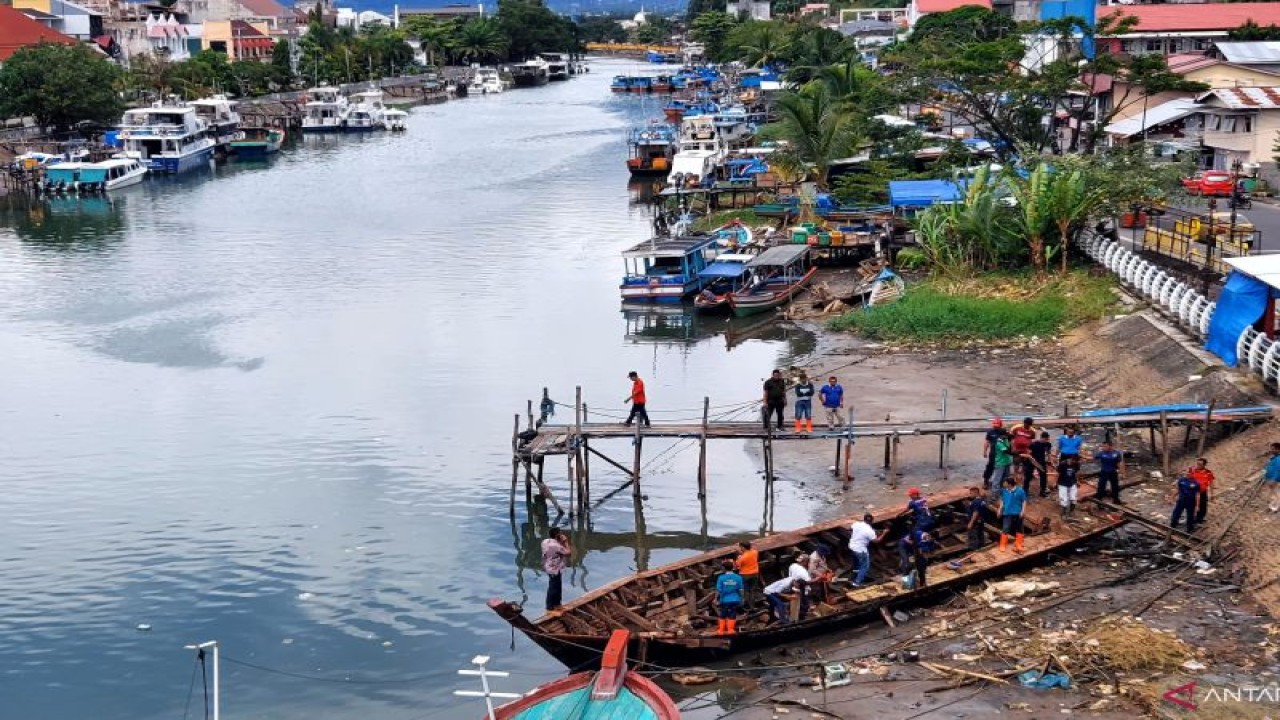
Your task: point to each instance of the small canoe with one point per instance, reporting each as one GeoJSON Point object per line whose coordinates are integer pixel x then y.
{"type": "Point", "coordinates": [671, 609]}
{"type": "Point", "coordinates": [613, 692]}
{"type": "Point", "coordinates": [258, 142]}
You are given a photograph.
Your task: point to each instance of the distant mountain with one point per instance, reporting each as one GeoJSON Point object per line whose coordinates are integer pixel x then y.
{"type": "Point", "coordinates": [565, 7]}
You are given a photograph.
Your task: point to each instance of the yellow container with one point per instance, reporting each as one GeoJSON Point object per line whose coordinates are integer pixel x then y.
{"type": "Point", "coordinates": [837, 237]}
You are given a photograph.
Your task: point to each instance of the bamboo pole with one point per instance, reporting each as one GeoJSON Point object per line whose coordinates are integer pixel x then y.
{"type": "Point", "coordinates": [1204, 431]}
{"type": "Point", "coordinates": [702, 453]}
{"type": "Point", "coordinates": [515, 460]}
{"type": "Point", "coordinates": [1164, 441]}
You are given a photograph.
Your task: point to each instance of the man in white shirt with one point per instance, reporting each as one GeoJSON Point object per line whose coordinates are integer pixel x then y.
{"type": "Point", "coordinates": [861, 535]}
{"type": "Point", "coordinates": [774, 591]}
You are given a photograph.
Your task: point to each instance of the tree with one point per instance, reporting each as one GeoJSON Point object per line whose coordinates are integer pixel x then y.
{"type": "Point", "coordinates": [1035, 212]}
{"type": "Point", "coordinates": [698, 7]}
{"type": "Point", "coordinates": [758, 43]}
{"type": "Point", "coordinates": [815, 131]}
{"type": "Point", "coordinates": [60, 85]}
{"type": "Point", "coordinates": [711, 29]}
{"type": "Point", "coordinates": [282, 63]}
{"type": "Point", "coordinates": [478, 40]}
{"type": "Point", "coordinates": [531, 27]}
{"type": "Point", "coordinates": [433, 36]}
{"type": "Point", "coordinates": [813, 48]}
{"type": "Point", "coordinates": [1252, 31]}
{"type": "Point", "coordinates": [152, 74]}
{"type": "Point", "coordinates": [601, 29]}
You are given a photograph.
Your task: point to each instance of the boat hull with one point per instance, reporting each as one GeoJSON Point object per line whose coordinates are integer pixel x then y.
{"type": "Point", "coordinates": [528, 81]}
{"type": "Point", "coordinates": [744, 304]}
{"type": "Point", "coordinates": [662, 293]}
{"type": "Point", "coordinates": [168, 165]}
{"type": "Point", "coordinates": [254, 150]}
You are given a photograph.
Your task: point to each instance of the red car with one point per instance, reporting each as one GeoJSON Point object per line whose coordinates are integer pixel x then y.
{"type": "Point", "coordinates": [1210, 183]}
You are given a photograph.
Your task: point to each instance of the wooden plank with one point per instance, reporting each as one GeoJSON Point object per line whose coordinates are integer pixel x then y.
{"type": "Point", "coordinates": [614, 606]}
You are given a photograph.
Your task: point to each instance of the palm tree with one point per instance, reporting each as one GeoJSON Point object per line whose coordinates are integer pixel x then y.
{"type": "Point", "coordinates": [760, 43]}
{"type": "Point", "coordinates": [478, 40]}
{"type": "Point", "coordinates": [1035, 212]}
{"type": "Point", "coordinates": [433, 35]}
{"type": "Point", "coordinates": [815, 48]}
{"type": "Point", "coordinates": [814, 128]}
{"type": "Point", "coordinates": [849, 81]}
{"type": "Point", "coordinates": [1071, 202]}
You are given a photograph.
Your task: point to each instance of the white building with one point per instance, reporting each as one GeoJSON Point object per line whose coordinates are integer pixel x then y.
{"type": "Point", "coordinates": [749, 9]}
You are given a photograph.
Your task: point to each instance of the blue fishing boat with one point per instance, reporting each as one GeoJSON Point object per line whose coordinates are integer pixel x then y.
{"type": "Point", "coordinates": [665, 269]}
{"type": "Point", "coordinates": [621, 83]}
{"type": "Point", "coordinates": [640, 84]}
{"type": "Point", "coordinates": [727, 275]}
{"type": "Point", "coordinates": [613, 692]}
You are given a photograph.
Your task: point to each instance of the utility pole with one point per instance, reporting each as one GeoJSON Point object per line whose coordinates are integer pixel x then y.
{"type": "Point", "coordinates": [1209, 241]}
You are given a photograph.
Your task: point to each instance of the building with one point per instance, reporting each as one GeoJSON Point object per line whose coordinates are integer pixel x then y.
{"type": "Point", "coordinates": [240, 40]}
{"type": "Point", "coordinates": [749, 9]}
{"type": "Point", "coordinates": [1214, 72]}
{"type": "Point", "coordinates": [919, 8]}
{"type": "Point", "coordinates": [275, 19]}
{"type": "Point", "coordinates": [446, 13]}
{"type": "Point", "coordinates": [168, 38]}
{"type": "Point", "coordinates": [1240, 124]}
{"type": "Point", "coordinates": [897, 16]}
{"type": "Point", "coordinates": [18, 31]}
{"type": "Point", "coordinates": [1182, 28]}
{"type": "Point", "coordinates": [65, 17]}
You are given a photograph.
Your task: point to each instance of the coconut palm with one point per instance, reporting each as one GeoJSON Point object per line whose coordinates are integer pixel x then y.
{"type": "Point", "coordinates": [814, 128]}
{"type": "Point", "coordinates": [1035, 212]}
{"type": "Point", "coordinates": [479, 40]}
{"type": "Point", "coordinates": [760, 43]}
{"type": "Point", "coordinates": [1070, 203]}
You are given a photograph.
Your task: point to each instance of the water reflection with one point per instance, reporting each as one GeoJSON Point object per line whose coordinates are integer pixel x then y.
{"type": "Point", "coordinates": [681, 325]}
{"type": "Point", "coordinates": [66, 224]}
{"type": "Point", "coordinates": [644, 191]}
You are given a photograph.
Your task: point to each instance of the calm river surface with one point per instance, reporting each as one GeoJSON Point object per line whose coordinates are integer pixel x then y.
{"type": "Point", "coordinates": [272, 407]}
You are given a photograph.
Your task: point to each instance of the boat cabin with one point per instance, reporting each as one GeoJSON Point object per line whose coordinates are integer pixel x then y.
{"type": "Point", "coordinates": [665, 269]}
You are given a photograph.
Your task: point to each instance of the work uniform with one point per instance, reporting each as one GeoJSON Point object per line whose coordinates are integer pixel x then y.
{"type": "Point", "coordinates": [1188, 491]}
{"type": "Point", "coordinates": [729, 592]}
{"type": "Point", "coordinates": [1069, 447]}
{"type": "Point", "coordinates": [1012, 502]}
{"type": "Point", "coordinates": [1205, 479]}
{"type": "Point", "coordinates": [1040, 455]}
{"type": "Point", "coordinates": [775, 399]}
{"type": "Point", "coordinates": [804, 405]}
{"type": "Point", "coordinates": [748, 564]}
{"type": "Point", "coordinates": [1109, 473]}
{"type": "Point", "coordinates": [911, 552]}
{"type": "Point", "coordinates": [921, 515]}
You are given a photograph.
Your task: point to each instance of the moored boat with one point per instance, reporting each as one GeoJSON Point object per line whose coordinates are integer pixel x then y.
{"type": "Point", "coordinates": [258, 142]}
{"type": "Point", "coordinates": [723, 277]}
{"type": "Point", "coordinates": [665, 269]}
{"type": "Point", "coordinates": [530, 73]}
{"type": "Point", "coordinates": [485, 81]}
{"type": "Point", "coordinates": [778, 274]}
{"type": "Point", "coordinates": [734, 235]}
{"type": "Point", "coordinates": [395, 120]}
{"type": "Point", "coordinates": [699, 153]}
{"type": "Point", "coordinates": [557, 66]}
{"type": "Point", "coordinates": [671, 609]}
{"type": "Point", "coordinates": [325, 111]}
{"type": "Point", "coordinates": [167, 138]}
{"type": "Point", "coordinates": [114, 173]}
{"type": "Point", "coordinates": [620, 83]}
{"type": "Point", "coordinates": [650, 150]}
{"type": "Point", "coordinates": [220, 116]}
{"type": "Point", "coordinates": [613, 691]}
{"type": "Point", "coordinates": [366, 111]}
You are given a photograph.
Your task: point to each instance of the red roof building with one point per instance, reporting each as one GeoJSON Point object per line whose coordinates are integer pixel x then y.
{"type": "Point", "coordinates": [18, 31]}
{"type": "Point", "coordinates": [1182, 28]}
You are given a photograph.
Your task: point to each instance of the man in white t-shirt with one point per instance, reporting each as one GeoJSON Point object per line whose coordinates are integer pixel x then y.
{"type": "Point", "coordinates": [774, 592]}
{"type": "Point", "coordinates": [861, 535]}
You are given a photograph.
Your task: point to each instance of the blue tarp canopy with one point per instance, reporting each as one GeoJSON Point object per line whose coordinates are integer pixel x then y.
{"type": "Point", "coordinates": [1242, 302]}
{"type": "Point", "coordinates": [723, 270]}
{"type": "Point", "coordinates": [922, 193]}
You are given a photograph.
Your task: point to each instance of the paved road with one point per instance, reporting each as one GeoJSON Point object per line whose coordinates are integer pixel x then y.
{"type": "Point", "coordinates": [1265, 216]}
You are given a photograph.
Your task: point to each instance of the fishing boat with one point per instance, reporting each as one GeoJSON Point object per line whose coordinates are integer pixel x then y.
{"type": "Point", "coordinates": [699, 153]}
{"type": "Point", "coordinates": [727, 275]}
{"type": "Point", "coordinates": [530, 73]}
{"type": "Point", "coordinates": [671, 609]}
{"type": "Point", "coordinates": [64, 177]}
{"type": "Point", "coordinates": [325, 111]}
{"type": "Point", "coordinates": [650, 150]}
{"type": "Point", "coordinates": [114, 173]}
{"type": "Point", "coordinates": [613, 691]}
{"type": "Point", "coordinates": [661, 84]}
{"type": "Point", "coordinates": [396, 120]}
{"type": "Point", "coordinates": [166, 138]}
{"type": "Point", "coordinates": [485, 81]}
{"type": "Point", "coordinates": [258, 142]}
{"type": "Point", "coordinates": [665, 269]}
{"type": "Point", "coordinates": [366, 112]}
{"type": "Point", "coordinates": [640, 84]}
{"type": "Point", "coordinates": [219, 113]}
{"type": "Point", "coordinates": [778, 274]}
{"type": "Point", "coordinates": [734, 235]}
{"type": "Point", "coordinates": [557, 66]}
{"type": "Point", "coordinates": [620, 83]}
{"type": "Point", "coordinates": [733, 125]}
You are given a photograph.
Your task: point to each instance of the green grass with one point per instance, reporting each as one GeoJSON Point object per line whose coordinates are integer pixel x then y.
{"type": "Point", "coordinates": [990, 307]}
{"type": "Point", "coordinates": [724, 217]}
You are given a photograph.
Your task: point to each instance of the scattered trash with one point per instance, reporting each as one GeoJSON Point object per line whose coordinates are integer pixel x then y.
{"type": "Point", "coordinates": [1193, 666]}
{"type": "Point", "coordinates": [1044, 681]}
{"type": "Point", "coordinates": [144, 627]}
{"type": "Point", "coordinates": [695, 676]}
{"type": "Point", "coordinates": [900, 616]}
{"type": "Point", "coordinates": [1012, 589]}
{"type": "Point", "coordinates": [837, 675]}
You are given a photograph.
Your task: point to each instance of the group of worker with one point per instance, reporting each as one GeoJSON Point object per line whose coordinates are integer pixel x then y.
{"type": "Point", "coordinates": [774, 401]}
{"type": "Point", "coordinates": [1025, 453]}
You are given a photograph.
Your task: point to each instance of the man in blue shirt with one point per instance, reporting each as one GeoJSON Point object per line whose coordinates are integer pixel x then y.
{"type": "Point", "coordinates": [832, 395]}
{"type": "Point", "coordinates": [1110, 466]}
{"type": "Point", "coordinates": [918, 507]}
{"type": "Point", "coordinates": [1272, 477]}
{"type": "Point", "coordinates": [912, 551]}
{"type": "Point", "coordinates": [1013, 502]}
{"type": "Point", "coordinates": [1187, 491]}
{"type": "Point", "coordinates": [1069, 445]}
{"type": "Point", "coordinates": [729, 598]}
{"type": "Point", "coordinates": [977, 514]}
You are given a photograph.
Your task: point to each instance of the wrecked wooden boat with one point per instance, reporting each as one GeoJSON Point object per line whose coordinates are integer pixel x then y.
{"type": "Point", "coordinates": [671, 611]}
{"type": "Point", "coordinates": [612, 691]}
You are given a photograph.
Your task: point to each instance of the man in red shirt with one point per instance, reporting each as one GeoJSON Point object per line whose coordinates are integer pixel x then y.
{"type": "Point", "coordinates": [637, 399]}
{"type": "Point", "coordinates": [1201, 473]}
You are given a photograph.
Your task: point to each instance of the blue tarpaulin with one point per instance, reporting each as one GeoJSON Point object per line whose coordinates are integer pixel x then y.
{"type": "Point", "coordinates": [922, 193]}
{"type": "Point", "coordinates": [723, 270]}
{"type": "Point", "coordinates": [1242, 302]}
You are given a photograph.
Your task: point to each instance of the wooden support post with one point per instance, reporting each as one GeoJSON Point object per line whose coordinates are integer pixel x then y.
{"type": "Point", "coordinates": [887, 443]}
{"type": "Point", "coordinates": [575, 464]}
{"type": "Point", "coordinates": [530, 411]}
{"type": "Point", "coordinates": [893, 469]}
{"type": "Point", "coordinates": [635, 463]}
{"type": "Point", "coordinates": [546, 492]}
{"type": "Point", "coordinates": [585, 464]}
{"type": "Point", "coordinates": [515, 460]}
{"type": "Point", "coordinates": [942, 438]}
{"type": "Point", "coordinates": [1164, 441]}
{"type": "Point", "coordinates": [702, 452]}
{"type": "Point", "coordinates": [1204, 431]}
{"type": "Point", "coordinates": [836, 465]}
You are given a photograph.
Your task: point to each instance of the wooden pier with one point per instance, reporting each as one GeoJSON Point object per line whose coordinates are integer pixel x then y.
{"type": "Point", "coordinates": [574, 440]}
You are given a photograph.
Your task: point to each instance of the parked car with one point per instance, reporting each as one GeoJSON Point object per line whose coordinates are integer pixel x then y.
{"type": "Point", "coordinates": [1220, 184]}
{"type": "Point", "coordinates": [1192, 184]}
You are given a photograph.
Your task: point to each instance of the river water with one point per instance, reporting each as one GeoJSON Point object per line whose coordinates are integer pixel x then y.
{"type": "Point", "coordinates": [271, 406]}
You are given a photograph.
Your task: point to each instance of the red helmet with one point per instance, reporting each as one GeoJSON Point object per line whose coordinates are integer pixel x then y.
{"type": "Point", "coordinates": [997, 423]}
{"type": "Point", "coordinates": [913, 492]}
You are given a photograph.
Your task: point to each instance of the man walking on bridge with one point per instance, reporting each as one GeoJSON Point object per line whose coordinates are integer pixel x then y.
{"type": "Point", "coordinates": [637, 400]}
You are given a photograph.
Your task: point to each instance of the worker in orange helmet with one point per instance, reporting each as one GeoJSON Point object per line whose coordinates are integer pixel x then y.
{"type": "Point", "coordinates": [918, 508]}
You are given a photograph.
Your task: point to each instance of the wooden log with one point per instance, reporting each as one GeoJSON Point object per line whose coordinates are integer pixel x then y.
{"type": "Point", "coordinates": [585, 464]}
{"type": "Point", "coordinates": [893, 469]}
{"type": "Point", "coordinates": [946, 669]}
{"type": "Point", "coordinates": [615, 607]}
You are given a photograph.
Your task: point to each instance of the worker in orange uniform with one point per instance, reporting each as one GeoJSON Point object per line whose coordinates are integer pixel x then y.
{"type": "Point", "coordinates": [637, 400]}
{"type": "Point", "coordinates": [748, 565]}
{"type": "Point", "coordinates": [1201, 473]}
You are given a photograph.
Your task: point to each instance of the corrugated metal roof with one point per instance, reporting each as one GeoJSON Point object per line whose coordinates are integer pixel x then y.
{"type": "Point", "coordinates": [1158, 115]}
{"type": "Point", "coordinates": [1182, 17]}
{"type": "Point", "coordinates": [1263, 52]}
{"type": "Point", "coordinates": [1244, 98]}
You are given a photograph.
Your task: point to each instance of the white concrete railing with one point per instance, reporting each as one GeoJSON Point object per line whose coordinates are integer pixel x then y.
{"type": "Point", "coordinates": [1192, 310]}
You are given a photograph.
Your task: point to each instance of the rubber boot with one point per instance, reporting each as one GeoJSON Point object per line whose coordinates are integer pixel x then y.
{"type": "Point", "coordinates": [808, 425]}
{"type": "Point", "coordinates": [723, 627]}
{"type": "Point", "coordinates": [1004, 541]}
{"type": "Point", "coordinates": [1017, 543]}
{"type": "Point", "coordinates": [733, 626]}
{"type": "Point", "coordinates": [799, 425]}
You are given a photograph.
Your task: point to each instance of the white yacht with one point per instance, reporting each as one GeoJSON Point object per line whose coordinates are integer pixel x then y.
{"type": "Point", "coordinates": [326, 110]}
{"type": "Point", "coordinates": [366, 112]}
{"type": "Point", "coordinates": [219, 113]}
{"type": "Point", "coordinates": [699, 151]}
{"type": "Point", "coordinates": [166, 138]}
{"type": "Point", "coordinates": [116, 172]}
{"type": "Point", "coordinates": [395, 120]}
{"type": "Point", "coordinates": [485, 81]}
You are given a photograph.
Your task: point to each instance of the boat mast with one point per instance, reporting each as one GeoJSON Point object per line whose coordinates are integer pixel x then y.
{"type": "Point", "coordinates": [217, 683]}
{"type": "Point", "coordinates": [484, 674]}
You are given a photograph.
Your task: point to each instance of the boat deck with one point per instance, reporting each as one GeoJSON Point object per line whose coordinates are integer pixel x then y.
{"type": "Point", "coordinates": [668, 246]}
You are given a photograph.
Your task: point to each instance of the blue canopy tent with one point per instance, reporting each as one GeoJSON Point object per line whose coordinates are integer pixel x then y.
{"type": "Point", "coordinates": [923, 193]}
{"type": "Point", "coordinates": [1248, 295]}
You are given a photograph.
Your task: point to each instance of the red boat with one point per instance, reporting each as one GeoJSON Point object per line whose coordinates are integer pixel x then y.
{"type": "Point", "coordinates": [612, 691]}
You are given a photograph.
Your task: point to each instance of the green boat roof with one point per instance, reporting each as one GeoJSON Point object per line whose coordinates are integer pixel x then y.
{"type": "Point", "coordinates": [579, 706]}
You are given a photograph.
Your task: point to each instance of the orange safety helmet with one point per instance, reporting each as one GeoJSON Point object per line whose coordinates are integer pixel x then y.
{"type": "Point", "coordinates": [997, 422]}
{"type": "Point", "coordinates": [913, 492]}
